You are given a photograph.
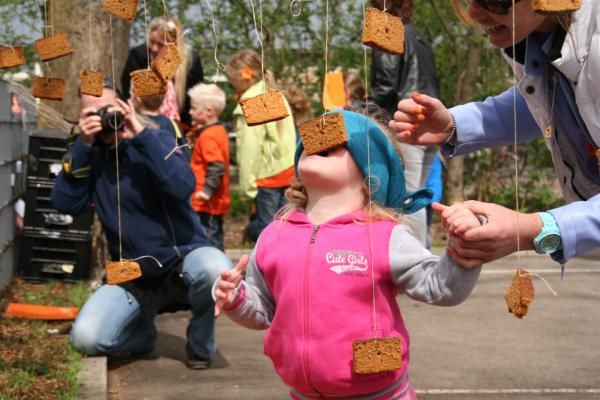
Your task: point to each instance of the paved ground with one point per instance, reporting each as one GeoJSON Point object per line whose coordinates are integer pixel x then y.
{"type": "Point", "coordinates": [473, 351]}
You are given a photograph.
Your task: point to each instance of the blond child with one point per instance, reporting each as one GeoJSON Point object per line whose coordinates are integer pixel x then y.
{"type": "Point", "coordinates": [210, 160]}
{"type": "Point", "coordinates": [318, 271]}
{"type": "Point", "coordinates": [265, 153]}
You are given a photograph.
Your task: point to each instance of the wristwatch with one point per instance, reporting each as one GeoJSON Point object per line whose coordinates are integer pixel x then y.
{"type": "Point", "coordinates": [548, 240]}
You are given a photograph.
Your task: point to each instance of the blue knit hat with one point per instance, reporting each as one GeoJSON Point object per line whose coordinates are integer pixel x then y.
{"type": "Point", "coordinates": [387, 175]}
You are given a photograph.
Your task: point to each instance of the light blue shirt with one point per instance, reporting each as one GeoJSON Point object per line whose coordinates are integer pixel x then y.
{"type": "Point", "coordinates": [491, 124]}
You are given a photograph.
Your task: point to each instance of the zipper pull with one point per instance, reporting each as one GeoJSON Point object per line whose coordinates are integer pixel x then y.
{"type": "Point", "coordinates": [314, 234]}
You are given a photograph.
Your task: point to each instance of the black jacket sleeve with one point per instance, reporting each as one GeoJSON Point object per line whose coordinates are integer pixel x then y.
{"type": "Point", "coordinates": [137, 59]}
{"type": "Point", "coordinates": [395, 77]}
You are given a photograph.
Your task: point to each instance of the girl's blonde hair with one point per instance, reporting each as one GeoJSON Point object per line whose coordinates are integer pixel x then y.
{"type": "Point", "coordinates": [245, 69]}
{"type": "Point", "coordinates": [171, 30]}
{"type": "Point", "coordinates": [298, 198]}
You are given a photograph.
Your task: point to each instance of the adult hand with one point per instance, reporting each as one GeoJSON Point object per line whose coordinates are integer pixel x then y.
{"type": "Point", "coordinates": [227, 284]}
{"type": "Point", "coordinates": [90, 124]}
{"type": "Point", "coordinates": [422, 120]}
{"type": "Point", "coordinates": [498, 237]}
{"type": "Point", "coordinates": [132, 126]}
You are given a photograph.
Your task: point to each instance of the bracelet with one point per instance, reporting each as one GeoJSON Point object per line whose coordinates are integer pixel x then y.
{"type": "Point", "coordinates": [452, 134]}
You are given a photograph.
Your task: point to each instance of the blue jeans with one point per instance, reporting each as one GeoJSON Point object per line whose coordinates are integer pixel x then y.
{"type": "Point", "coordinates": [268, 201]}
{"type": "Point", "coordinates": [213, 226]}
{"type": "Point", "coordinates": [111, 320]}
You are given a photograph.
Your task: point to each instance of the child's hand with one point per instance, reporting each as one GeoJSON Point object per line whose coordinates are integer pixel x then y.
{"type": "Point", "coordinates": [228, 283]}
{"type": "Point", "coordinates": [457, 218]}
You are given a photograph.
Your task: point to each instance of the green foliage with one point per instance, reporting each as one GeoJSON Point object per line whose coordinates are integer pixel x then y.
{"type": "Point", "coordinates": [240, 206]}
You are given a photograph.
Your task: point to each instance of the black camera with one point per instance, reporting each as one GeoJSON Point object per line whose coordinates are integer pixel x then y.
{"type": "Point", "coordinates": [111, 120]}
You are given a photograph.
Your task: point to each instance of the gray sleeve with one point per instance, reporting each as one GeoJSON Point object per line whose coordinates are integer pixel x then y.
{"type": "Point", "coordinates": [426, 277]}
{"type": "Point", "coordinates": [254, 305]}
{"type": "Point", "coordinates": [214, 173]}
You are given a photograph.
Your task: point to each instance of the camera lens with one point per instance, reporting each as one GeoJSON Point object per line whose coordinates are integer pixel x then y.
{"type": "Point", "coordinates": [111, 120]}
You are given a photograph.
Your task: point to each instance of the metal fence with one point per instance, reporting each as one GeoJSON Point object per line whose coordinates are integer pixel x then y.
{"type": "Point", "coordinates": [17, 122]}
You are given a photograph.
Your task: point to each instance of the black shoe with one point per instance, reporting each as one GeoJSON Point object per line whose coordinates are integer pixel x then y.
{"type": "Point", "coordinates": [195, 362]}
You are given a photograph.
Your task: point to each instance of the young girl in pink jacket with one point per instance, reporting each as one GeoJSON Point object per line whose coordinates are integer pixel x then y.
{"type": "Point", "coordinates": [326, 273]}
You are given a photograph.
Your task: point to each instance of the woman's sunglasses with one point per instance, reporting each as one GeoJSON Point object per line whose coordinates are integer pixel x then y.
{"type": "Point", "coordinates": [496, 6]}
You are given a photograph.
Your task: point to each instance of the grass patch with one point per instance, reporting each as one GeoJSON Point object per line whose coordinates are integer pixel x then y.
{"type": "Point", "coordinates": [36, 359]}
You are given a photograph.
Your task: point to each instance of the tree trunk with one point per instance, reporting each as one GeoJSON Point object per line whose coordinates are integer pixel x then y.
{"type": "Point", "coordinates": [73, 17]}
{"type": "Point", "coordinates": [465, 90]}
{"type": "Point", "coordinates": [76, 18]}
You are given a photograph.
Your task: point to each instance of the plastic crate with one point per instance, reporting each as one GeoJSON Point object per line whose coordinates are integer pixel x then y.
{"type": "Point", "coordinates": [39, 212]}
{"type": "Point", "coordinates": [46, 151]}
{"type": "Point", "coordinates": [53, 254]}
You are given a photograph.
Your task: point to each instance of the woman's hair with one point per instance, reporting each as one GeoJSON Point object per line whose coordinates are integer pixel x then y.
{"type": "Point", "coordinates": [245, 69]}
{"type": "Point", "coordinates": [208, 95]}
{"type": "Point", "coordinates": [170, 28]}
{"type": "Point", "coordinates": [398, 8]}
{"type": "Point", "coordinates": [564, 19]}
{"type": "Point", "coordinates": [355, 91]}
{"type": "Point", "coordinates": [299, 103]}
{"type": "Point", "coordinates": [298, 197]}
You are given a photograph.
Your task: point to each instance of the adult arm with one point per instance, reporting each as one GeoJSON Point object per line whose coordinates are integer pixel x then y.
{"type": "Point", "coordinates": [134, 61]}
{"type": "Point", "coordinates": [385, 72]}
{"type": "Point", "coordinates": [490, 123]}
{"type": "Point", "coordinates": [579, 225]}
{"type": "Point", "coordinates": [173, 176]}
{"type": "Point", "coordinates": [426, 277]}
{"type": "Point", "coordinates": [72, 191]}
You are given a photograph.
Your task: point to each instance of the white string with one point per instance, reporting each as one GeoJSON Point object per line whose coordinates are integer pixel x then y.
{"type": "Point", "coordinates": [259, 37]}
{"type": "Point", "coordinates": [326, 55]}
{"type": "Point", "coordinates": [90, 33]}
{"type": "Point", "coordinates": [545, 281]}
{"type": "Point", "coordinates": [147, 38]}
{"type": "Point", "coordinates": [139, 258]}
{"type": "Point", "coordinates": [515, 148]}
{"type": "Point", "coordinates": [220, 67]}
{"type": "Point", "coordinates": [8, 45]}
{"type": "Point", "coordinates": [369, 186]}
{"type": "Point", "coordinates": [112, 64]}
{"type": "Point", "coordinates": [189, 145]}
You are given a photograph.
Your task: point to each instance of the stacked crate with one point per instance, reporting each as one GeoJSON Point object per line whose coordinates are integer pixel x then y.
{"type": "Point", "coordinates": [54, 245]}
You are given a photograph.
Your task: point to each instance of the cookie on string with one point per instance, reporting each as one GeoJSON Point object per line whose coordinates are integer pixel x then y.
{"type": "Point", "coordinates": [519, 293]}
{"type": "Point", "coordinates": [125, 9]}
{"type": "Point", "coordinates": [53, 46]}
{"type": "Point", "coordinates": [92, 82]}
{"type": "Point", "coordinates": [146, 82]}
{"type": "Point", "coordinates": [555, 6]}
{"type": "Point", "coordinates": [376, 355]}
{"type": "Point", "coordinates": [383, 31]}
{"type": "Point", "coordinates": [264, 108]}
{"type": "Point", "coordinates": [323, 133]}
{"type": "Point", "coordinates": [122, 271]}
{"type": "Point", "coordinates": [11, 57]}
{"type": "Point", "coordinates": [48, 88]}
{"type": "Point", "coordinates": [167, 62]}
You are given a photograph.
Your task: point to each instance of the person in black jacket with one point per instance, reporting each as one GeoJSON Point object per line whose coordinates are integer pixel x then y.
{"type": "Point", "coordinates": [395, 77]}
{"type": "Point", "coordinates": [146, 218]}
{"type": "Point", "coordinates": [164, 30]}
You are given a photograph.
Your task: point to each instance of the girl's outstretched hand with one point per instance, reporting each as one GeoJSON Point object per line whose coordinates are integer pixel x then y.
{"type": "Point", "coordinates": [458, 219]}
{"type": "Point", "coordinates": [422, 120]}
{"type": "Point", "coordinates": [228, 283]}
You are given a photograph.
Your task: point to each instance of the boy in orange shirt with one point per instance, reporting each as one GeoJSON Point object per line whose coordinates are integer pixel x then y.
{"type": "Point", "coordinates": [210, 160]}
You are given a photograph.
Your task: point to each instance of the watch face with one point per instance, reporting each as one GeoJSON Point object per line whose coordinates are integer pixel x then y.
{"type": "Point", "coordinates": [550, 243]}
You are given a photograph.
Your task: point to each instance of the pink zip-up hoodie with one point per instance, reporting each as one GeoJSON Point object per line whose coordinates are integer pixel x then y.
{"type": "Point", "coordinates": [312, 287]}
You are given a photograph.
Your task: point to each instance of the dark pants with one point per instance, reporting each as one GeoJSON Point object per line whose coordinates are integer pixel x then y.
{"type": "Point", "coordinates": [213, 226]}
{"type": "Point", "coordinates": [268, 201]}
